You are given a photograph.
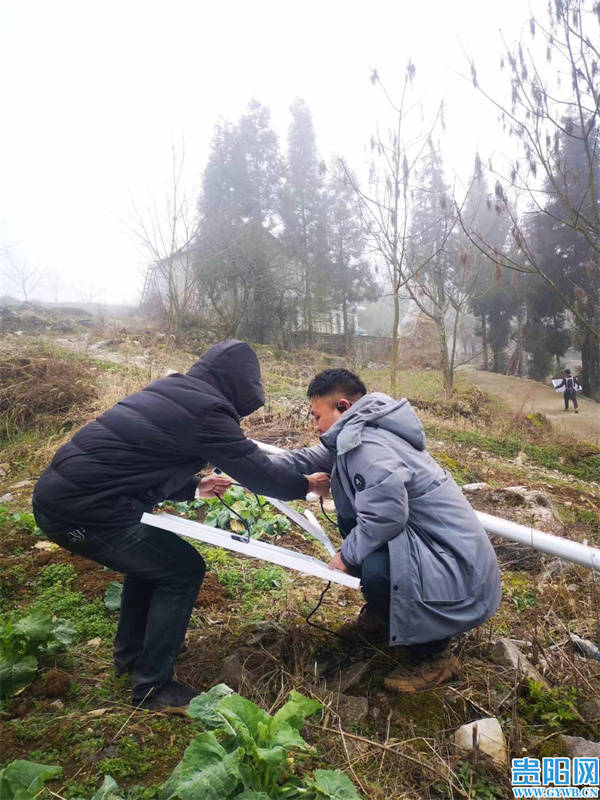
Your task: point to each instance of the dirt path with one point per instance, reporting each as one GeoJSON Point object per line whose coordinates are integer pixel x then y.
{"type": "Point", "coordinates": [524, 395]}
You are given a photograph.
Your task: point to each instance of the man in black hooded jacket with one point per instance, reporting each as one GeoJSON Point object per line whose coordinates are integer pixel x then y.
{"type": "Point", "coordinates": [146, 449]}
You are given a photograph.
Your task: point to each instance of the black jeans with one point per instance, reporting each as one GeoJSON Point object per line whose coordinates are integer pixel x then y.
{"type": "Point", "coordinates": [162, 577]}
{"type": "Point", "coordinates": [375, 585]}
{"type": "Point", "coordinates": [570, 394]}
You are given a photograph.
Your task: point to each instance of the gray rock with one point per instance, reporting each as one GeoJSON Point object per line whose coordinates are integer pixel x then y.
{"type": "Point", "coordinates": [352, 709]}
{"type": "Point", "coordinates": [263, 632]}
{"type": "Point", "coordinates": [472, 488]}
{"type": "Point", "coordinates": [233, 672]}
{"type": "Point", "coordinates": [6, 498]}
{"type": "Point", "coordinates": [590, 710]}
{"type": "Point", "coordinates": [578, 746]}
{"type": "Point", "coordinates": [514, 495]}
{"type": "Point", "coordinates": [346, 678]}
{"type": "Point", "coordinates": [537, 503]}
{"type": "Point", "coordinates": [505, 652]}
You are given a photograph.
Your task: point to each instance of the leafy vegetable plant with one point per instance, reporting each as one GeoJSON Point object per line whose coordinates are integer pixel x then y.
{"type": "Point", "coordinates": [112, 595]}
{"type": "Point", "coordinates": [23, 780]}
{"type": "Point", "coordinates": [245, 753]}
{"type": "Point", "coordinates": [22, 642]}
{"type": "Point", "coordinates": [22, 520]}
{"type": "Point", "coordinates": [251, 508]}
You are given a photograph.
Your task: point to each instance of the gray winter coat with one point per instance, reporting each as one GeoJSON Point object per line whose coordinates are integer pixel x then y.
{"type": "Point", "coordinates": [387, 489]}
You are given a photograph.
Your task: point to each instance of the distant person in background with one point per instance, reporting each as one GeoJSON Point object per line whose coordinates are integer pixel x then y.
{"type": "Point", "coordinates": [571, 385]}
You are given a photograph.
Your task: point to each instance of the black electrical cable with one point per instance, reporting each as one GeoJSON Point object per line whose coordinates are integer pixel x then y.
{"type": "Point", "coordinates": [245, 522]}
{"type": "Point", "coordinates": [346, 659]}
{"type": "Point", "coordinates": [327, 517]}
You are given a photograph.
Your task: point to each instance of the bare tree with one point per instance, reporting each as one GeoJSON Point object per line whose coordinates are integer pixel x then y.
{"type": "Point", "coordinates": [444, 277]}
{"type": "Point", "coordinates": [167, 232]}
{"type": "Point", "coordinates": [385, 207]}
{"type": "Point", "coordinates": [554, 115]}
{"type": "Point", "coordinates": [23, 277]}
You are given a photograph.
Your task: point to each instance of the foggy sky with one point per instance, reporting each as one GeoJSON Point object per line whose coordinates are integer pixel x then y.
{"type": "Point", "coordinates": [93, 95]}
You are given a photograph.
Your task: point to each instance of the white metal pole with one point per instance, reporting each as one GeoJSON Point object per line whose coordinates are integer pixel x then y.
{"type": "Point", "coordinates": [578, 552]}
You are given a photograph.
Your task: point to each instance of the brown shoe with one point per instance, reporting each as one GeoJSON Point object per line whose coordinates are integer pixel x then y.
{"type": "Point", "coordinates": [366, 627]}
{"type": "Point", "coordinates": [424, 676]}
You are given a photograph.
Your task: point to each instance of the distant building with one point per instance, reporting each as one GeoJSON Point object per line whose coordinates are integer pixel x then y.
{"type": "Point", "coordinates": [332, 321]}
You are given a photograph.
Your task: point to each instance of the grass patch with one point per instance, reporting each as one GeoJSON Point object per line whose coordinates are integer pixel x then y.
{"type": "Point", "coordinates": [460, 473]}
{"type": "Point", "coordinates": [579, 460]}
{"type": "Point", "coordinates": [519, 589]}
{"type": "Point", "coordinates": [54, 593]}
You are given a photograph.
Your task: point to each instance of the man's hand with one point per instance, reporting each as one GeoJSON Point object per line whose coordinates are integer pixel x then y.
{"type": "Point", "coordinates": [318, 482]}
{"type": "Point", "coordinates": [213, 486]}
{"type": "Point", "coordinates": [337, 563]}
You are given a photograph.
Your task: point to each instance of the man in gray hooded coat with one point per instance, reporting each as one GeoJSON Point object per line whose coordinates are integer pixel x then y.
{"type": "Point", "coordinates": [427, 568]}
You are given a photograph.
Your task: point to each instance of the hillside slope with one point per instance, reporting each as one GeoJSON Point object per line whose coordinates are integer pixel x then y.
{"type": "Point", "coordinates": [525, 396]}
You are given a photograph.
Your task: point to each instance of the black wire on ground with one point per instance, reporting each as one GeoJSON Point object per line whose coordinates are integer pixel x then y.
{"type": "Point", "coordinates": [346, 640]}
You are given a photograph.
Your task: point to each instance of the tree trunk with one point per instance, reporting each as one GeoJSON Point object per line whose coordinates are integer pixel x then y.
{"type": "Point", "coordinates": [590, 365]}
{"type": "Point", "coordinates": [447, 371]}
{"type": "Point", "coordinates": [520, 341]}
{"type": "Point", "coordinates": [308, 315]}
{"type": "Point", "coordinates": [347, 345]}
{"type": "Point", "coordinates": [394, 364]}
{"type": "Point", "coordinates": [484, 341]}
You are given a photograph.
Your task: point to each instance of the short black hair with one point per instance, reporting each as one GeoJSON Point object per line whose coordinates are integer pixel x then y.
{"type": "Point", "coordinates": [567, 372]}
{"type": "Point", "coordinates": [336, 380]}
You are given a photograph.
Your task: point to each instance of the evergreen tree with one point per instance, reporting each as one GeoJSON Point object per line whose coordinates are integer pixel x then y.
{"type": "Point", "coordinates": [304, 215]}
{"type": "Point", "coordinates": [569, 258]}
{"type": "Point", "coordinates": [351, 278]}
{"type": "Point", "coordinates": [240, 262]}
{"type": "Point", "coordinates": [554, 115]}
{"type": "Point", "coordinates": [484, 215]}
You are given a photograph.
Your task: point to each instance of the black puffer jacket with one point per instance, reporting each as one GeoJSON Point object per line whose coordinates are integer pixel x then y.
{"type": "Point", "coordinates": [148, 447]}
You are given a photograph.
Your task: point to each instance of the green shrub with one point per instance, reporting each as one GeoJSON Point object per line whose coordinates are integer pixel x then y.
{"type": "Point", "coordinates": [554, 706]}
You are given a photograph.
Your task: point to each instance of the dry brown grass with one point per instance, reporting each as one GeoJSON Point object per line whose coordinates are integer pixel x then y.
{"type": "Point", "coordinates": [38, 385]}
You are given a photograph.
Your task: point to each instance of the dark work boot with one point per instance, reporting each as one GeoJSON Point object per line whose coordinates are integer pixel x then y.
{"type": "Point", "coordinates": [170, 695]}
{"type": "Point", "coordinates": [422, 676]}
{"type": "Point", "coordinates": [366, 627]}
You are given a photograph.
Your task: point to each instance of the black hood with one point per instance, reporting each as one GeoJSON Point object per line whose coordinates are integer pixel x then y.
{"type": "Point", "coordinates": [233, 369]}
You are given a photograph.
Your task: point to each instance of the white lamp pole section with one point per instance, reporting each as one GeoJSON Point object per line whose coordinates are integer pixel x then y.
{"type": "Point", "coordinates": [578, 552]}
